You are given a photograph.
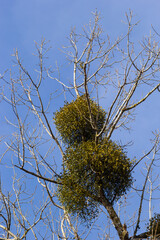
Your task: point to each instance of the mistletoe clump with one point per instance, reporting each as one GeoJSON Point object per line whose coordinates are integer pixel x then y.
{"type": "Point", "coordinates": [92, 170]}
{"type": "Point", "coordinates": [73, 120]}
{"type": "Point", "coordinates": [154, 226]}
{"type": "Point", "coordinates": [89, 170]}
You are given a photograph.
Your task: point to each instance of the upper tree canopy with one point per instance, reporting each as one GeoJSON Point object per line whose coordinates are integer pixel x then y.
{"type": "Point", "coordinates": [95, 170]}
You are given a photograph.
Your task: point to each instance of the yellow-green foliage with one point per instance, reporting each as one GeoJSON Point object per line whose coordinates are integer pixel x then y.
{"type": "Point", "coordinates": [73, 120]}
{"type": "Point", "coordinates": [89, 168]}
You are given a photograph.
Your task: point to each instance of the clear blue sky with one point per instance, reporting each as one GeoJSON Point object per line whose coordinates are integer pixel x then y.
{"type": "Point", "coordinates": [24, 21]}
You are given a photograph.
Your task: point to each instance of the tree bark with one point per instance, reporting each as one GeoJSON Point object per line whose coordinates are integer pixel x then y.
{"type": "Point", "coordinates": [121, 230]}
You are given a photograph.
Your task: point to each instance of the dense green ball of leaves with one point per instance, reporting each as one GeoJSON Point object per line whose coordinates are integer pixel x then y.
{"type": "Point", "coordinates": [91, 168]}
{"type": "Point", "coordinates": [73, 120]}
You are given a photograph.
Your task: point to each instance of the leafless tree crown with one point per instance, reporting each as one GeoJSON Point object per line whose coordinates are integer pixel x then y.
{"type": "Point", "coordinates": [121, 76]}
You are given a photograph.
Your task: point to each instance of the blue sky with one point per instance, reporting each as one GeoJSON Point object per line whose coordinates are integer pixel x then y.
{"type": "Point", "coordinates": [24, 21]}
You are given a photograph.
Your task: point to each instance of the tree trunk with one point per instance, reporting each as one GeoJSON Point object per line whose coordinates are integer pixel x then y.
{"type": "Point", "coordinates": [121, 229]}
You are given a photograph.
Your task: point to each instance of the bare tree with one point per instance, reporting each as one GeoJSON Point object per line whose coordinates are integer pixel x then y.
{"type": "Point", "coordinates": [101, 69]}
